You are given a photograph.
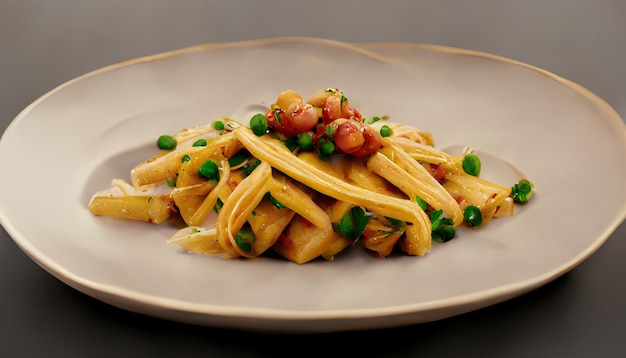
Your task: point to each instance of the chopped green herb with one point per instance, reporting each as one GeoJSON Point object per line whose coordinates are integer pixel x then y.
{"type": "Point", "coordinates": [170, 182]}
{"type": "Point", "coordinates": [277, 115]}
{"type": "Point", "coordinates": [353, 223]}
{"type": "Point", "coordinates": [522, 191]}
{"type": "Point", "coordinates": [276, 203]}
{"type": "Point", "coordinates": [185, 158]}
{"type": "Point", "coordinates": [166, 142]}
{"type": "Point", "coordinates": [291, 144]}
{"type": "Point", "coordinates": [199, 143]}
{"type": "Point", "coordinates": [398, 224]}
{"type": "Point", "coordinates": [239, 157]}
{"type": "Point", "coordinates": [219, 125]}
{"type": "Point", "coordinates": [250, 166]}
{"type": "Point", "coordinates": [371, 120]}
{"type": "Point", "coordinates": [444, 234]}
{"type": "Point", "coordinates": [442, 227]}
{"type": "Point", "coordinates": [218, 206]}
{"type": "Point", "coordinates": [421, 202]}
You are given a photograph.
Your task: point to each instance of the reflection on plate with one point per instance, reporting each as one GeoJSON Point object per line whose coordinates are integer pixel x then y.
{"type": "Point", "coordinates": [98, 126]}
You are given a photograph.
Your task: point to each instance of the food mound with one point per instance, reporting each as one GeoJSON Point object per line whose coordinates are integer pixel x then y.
{"type": "Point", "coordinates": [307, 180]}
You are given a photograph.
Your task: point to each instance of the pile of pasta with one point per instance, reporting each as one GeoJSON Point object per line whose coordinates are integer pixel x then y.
{"type": "Point", "coordinates": [265, 196]}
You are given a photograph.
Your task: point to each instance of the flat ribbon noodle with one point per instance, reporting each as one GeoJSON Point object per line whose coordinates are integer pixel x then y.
{"type": "Point", "coordinates": [393, 164]}
{"type": "Point", "coordinates": [278, 156]}
{"type": "Point", "coordinates": [241, 202]}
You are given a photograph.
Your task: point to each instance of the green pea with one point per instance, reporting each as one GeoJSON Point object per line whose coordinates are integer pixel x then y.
{"type": "Point", "coordinates": [305, 140]}
{"type": "Point", "coordinates": [258, 124]}
{"type": "Point", "coordinates": [166, 142]}
{"type": "Point", "coordinates": [209, 170]}
{"type": "Point", "coordinates": [471, 164]}
{"type": "Point", "coordinates": [325, 149]}
{"type": "Point", "coordinates": [472, 215]}
{"type": "Point", "coordinates": [386, 131]}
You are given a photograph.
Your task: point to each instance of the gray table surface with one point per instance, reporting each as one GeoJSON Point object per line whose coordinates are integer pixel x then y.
{"type": "Point", "coordinates": [45, 43]}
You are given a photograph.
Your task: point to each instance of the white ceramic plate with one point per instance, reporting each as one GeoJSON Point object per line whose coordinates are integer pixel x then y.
{"type": "Point", "coordinates": [72, 141]}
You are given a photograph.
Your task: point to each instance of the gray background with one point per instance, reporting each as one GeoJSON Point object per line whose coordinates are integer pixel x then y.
{"type": "Point", "coordinates": [45, 43]}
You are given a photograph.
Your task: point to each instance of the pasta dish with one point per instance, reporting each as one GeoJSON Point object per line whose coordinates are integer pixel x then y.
{"type": "Point", "coordinates": [306, 180]}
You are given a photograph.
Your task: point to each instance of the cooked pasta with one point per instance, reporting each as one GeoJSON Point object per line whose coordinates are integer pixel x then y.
{"type": "Point", "coordinates": [305, 181]}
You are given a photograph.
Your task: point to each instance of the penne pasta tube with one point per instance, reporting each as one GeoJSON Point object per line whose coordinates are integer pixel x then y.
{"type": "Point", "coordinates": [336, 211]}
{"type": "Point", "coordinates": [197, 239]}
{"type": "Point", "coordinates": [382, 245]}
{"type": "Point", "coordinates": [414, 242]}
{"type": "Point", "coordinates": [167, 164]}
{"type": "Point", "coordinates": [289, 195]}
{"type": "Point", "coordinates": [340, 244]}
{"type": "Point", "coordinates": [268, 222]}
{"type": "Point", "coordinates": [217, 149]}
{"type": "Point", "coordinates": [189, 198]}
{"type": "Point", "coordinates": [381, 236]}
{"type": "Point", "coordinates": [159, 168]}
{"type": "Point", "coordinates": [485, 195]}
{"type": "Point", "coordinates": [303, 242]}
{"type": "Point", "coordinates": [210, 200]}
{"type": "Point", "coordinates": [153, 209]}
